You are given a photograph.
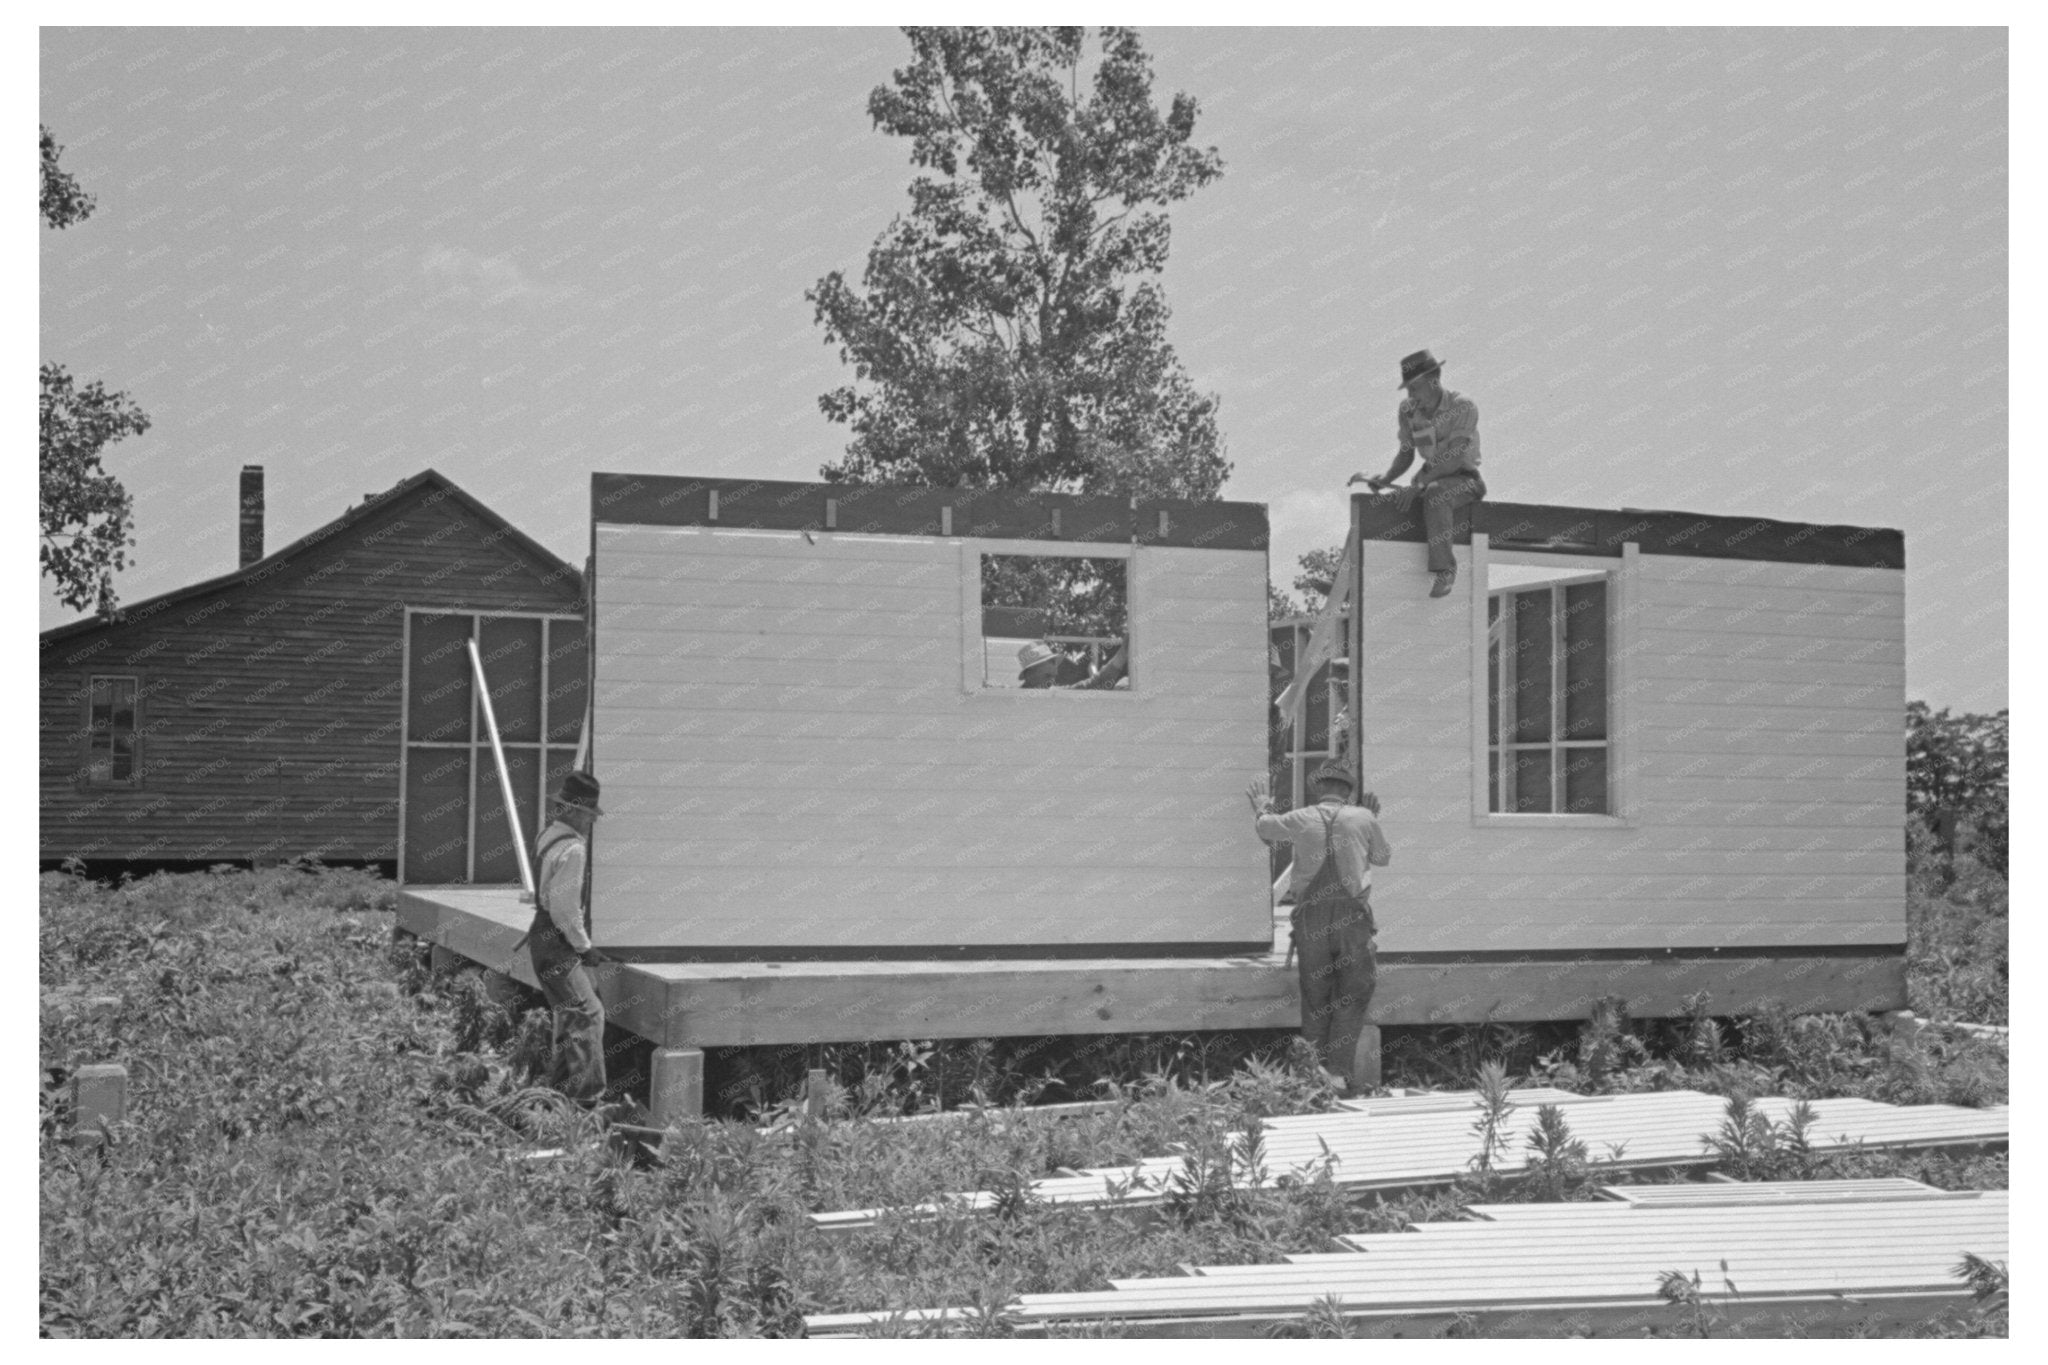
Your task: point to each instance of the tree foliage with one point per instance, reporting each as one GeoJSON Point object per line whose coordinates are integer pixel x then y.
{"type": "Point", "coordinates": [86, 515]}
{"type": "Point", "coordinates": [1316, 571]}
{"type": "Point", "coordinates": [1956, 778]}
{"type": "Point", "coordinates": [64, 202]}
{"type": "Point", "coordinates": [1010, 330]}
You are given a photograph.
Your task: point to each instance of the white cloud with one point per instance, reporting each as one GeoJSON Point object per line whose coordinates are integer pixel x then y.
{"type": "Point", "coordinates": [462, 276]}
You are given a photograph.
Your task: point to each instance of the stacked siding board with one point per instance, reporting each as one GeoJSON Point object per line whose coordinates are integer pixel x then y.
{"type": "Point", "coordinates": [1542, 1269]}
{"type": "Point", "coordinates": [1757, 679]}
{"type": "Point", "coordinates": [1419, 1146]}
{"type": "Point", "coordinates": [272, 706]}
{"type": "Point", "coordinates": [799, 754]}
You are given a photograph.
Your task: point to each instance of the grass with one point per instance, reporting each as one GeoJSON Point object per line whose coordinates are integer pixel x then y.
{"type": "Point", "coordinates": [327, 1140]}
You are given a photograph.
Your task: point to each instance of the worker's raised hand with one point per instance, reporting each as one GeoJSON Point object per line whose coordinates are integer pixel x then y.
{"type": "Point", "coordinates": [1260, 794]}
{"type": "Point", "coordinates": [1371, 802]}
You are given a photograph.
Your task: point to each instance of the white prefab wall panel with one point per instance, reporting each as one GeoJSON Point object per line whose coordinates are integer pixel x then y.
{"type": "Point", "coordinates": [1758, 710]}
{"type": "Point", "coordinates": [793, 756]}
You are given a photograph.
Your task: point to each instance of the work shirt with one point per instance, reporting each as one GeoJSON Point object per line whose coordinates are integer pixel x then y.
{"type": "Point", "coordinates": [558, 883]}
{"type": "Point", "coordinates": [1446, 441]}
{"type": "Point", "coordinates": [1354, 836]}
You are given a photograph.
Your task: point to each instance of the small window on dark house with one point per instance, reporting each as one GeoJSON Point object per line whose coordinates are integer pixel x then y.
{"type": "Point", "coordinates": [110, 730]}
{"type": "Point", "coordinates": [1056, 622]}
{"type": "Point", "coordinates": [1547, 699]}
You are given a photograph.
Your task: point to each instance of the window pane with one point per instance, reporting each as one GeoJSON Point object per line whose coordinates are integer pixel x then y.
{"type": "Point", "coordinates": [568, 681]}
{"type": "Point", "coordinates": [1531, 779]}
{"type": "Point", "coordinates": [1532, 666]}
{"type": "Point", "coordinates": [437, 701]}
{"type": "Point", "coordinates": [1493, 780]}
{"type": "Point", "coordinates": [437, 816]}
{"type": "Point", "coordinates": [1585, 781]}
{"type": "Point", "coordinates": [510, 646]}
{"type": "Point", "coordinates": [1585, 661]}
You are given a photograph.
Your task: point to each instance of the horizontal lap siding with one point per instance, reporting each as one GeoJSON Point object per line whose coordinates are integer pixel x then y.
{"type": "Point", "coordinates": [1766, 709]}
{"type": "Point", "coordinates": [790, 758]}
{"type": "Point", "coordinates": [272, 714]}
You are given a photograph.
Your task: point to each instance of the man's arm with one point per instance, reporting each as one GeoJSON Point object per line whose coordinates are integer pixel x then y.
{"type": "Point", "coordinates": [1377, 851]}
{"type": "Point", "coordinates": [1272, 825]}
{"type": "Point", "coordinates": [1404, 455]}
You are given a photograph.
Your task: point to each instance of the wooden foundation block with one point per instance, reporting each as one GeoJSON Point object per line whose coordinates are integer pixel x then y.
{"type": "Point", "coordinates": [100, 1096]}
{"type": "Point", "coordinates": [446, 959]}
{"type": "Point", "coordinates": [675, 1091]}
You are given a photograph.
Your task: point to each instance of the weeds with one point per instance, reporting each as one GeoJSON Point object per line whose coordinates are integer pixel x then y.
{"type": "Point", "coordinates": [327, 1139]}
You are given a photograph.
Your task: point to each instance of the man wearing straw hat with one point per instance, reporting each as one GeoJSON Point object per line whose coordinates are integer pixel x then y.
{"type": "Point", "coordinates": [1442, 427]}
{"type": "Point", "coordinates": [561, 950]}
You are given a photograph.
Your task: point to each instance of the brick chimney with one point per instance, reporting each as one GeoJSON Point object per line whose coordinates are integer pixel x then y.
{"type": "Point", "coordinates": [252, 514]}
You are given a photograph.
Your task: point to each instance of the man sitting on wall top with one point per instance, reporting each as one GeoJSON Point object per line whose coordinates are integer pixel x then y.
{"type": "Point", "coordinates": [1442, 426]}
{"type": "Point", "coordinates": [1038, 666]}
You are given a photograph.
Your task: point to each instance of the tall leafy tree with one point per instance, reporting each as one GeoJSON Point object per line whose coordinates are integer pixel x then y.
{"type": "Point", "coordinates": [87, 516]}
{"type": "Point", "coordinates": [1957, 775]}
{"type": "Point", "coordinates": [1010, 328]}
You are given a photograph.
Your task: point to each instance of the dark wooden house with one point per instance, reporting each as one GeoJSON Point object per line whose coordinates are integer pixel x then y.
{"type": "Point", "coordinates": [317, 702]}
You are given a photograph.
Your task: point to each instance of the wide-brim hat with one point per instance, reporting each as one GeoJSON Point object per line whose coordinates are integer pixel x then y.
{"type": "Point", "coordinates": [579, 789]}
{"type": "Point", "coordinates": [1413, 367]}
{"type": "Point", "coordinates": [1333, 772]}
{"type": "Point", "coordinates": [1034, 654]}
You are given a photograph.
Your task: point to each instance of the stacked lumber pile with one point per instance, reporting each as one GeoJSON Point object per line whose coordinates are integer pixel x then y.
{"type": "Point", "coordinates": [1825, 1254]}
{"type": "Point", "coordinates": [1422, 1140]}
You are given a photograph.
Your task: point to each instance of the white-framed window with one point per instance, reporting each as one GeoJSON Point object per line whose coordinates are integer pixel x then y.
{"type": "Point", "coordinates": [112, 702]}
{"type": "Point", "coordinates": [1548, 660]}
{"type": "Point", "coordinates": [1547, 698]}
{"type": "Point", "coordinates": [1065, 605]}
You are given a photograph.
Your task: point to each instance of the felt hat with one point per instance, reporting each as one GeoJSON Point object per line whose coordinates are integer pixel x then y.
{"type": "Point", "coordinates": [1034, 654]}
{"type": "Point", "coordinates": [579, 790]}
{"type": "Point", "coordinates": [1333, 771]}
{"type": "Point", "coordinates": [1413, 367]}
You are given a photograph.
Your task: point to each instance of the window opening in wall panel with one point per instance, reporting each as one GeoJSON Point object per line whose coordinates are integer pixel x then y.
{"type": "Point", "coordinates": [1059, 622]}
{"type": "Point", "coordinates": [1548, 698]}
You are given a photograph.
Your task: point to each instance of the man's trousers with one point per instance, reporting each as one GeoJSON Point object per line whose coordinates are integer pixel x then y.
{"type": "Point", "coordinates": [576, 1061]}
{"type": "Point", "coordinates": [1338, 967]}
{"type": "Point", "coordinates": [1441, 499]}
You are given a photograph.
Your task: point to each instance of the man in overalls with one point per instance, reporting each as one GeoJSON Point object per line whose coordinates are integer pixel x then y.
{"type": "Point", "coordinates": [1336, 847]}
{"type": "Point", "coordinates": [561, 950]}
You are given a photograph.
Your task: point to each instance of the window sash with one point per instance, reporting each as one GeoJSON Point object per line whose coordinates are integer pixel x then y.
{"type": "Point", "coordinates": [1574, 693]}
{"type": "Point", "coordinates": [110, 728]}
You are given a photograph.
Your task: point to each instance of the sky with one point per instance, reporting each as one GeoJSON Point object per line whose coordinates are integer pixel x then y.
{"type": "Point", "coordinates": [1741, 271]}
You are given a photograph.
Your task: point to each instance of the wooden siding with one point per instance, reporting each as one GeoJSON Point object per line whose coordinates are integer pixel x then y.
{"type": "Point", "coordinates": [1760, 768]}
{"type": "Point", "coordinates": [792, 756]}
{"type": "Point", "coordinates": [272, 709]}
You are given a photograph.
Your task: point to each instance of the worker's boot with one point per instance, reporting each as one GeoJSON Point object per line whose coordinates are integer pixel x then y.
{"type": "Point", "coordinates": [1442, 586]}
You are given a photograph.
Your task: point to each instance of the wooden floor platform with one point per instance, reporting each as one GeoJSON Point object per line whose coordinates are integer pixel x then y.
{"type": "Point", "coordinates": [740, 1003]}
{"type": "Point", "coordinates": [1861, 1253]}
{"type": "Point", "coordinates": [684, 1007]}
